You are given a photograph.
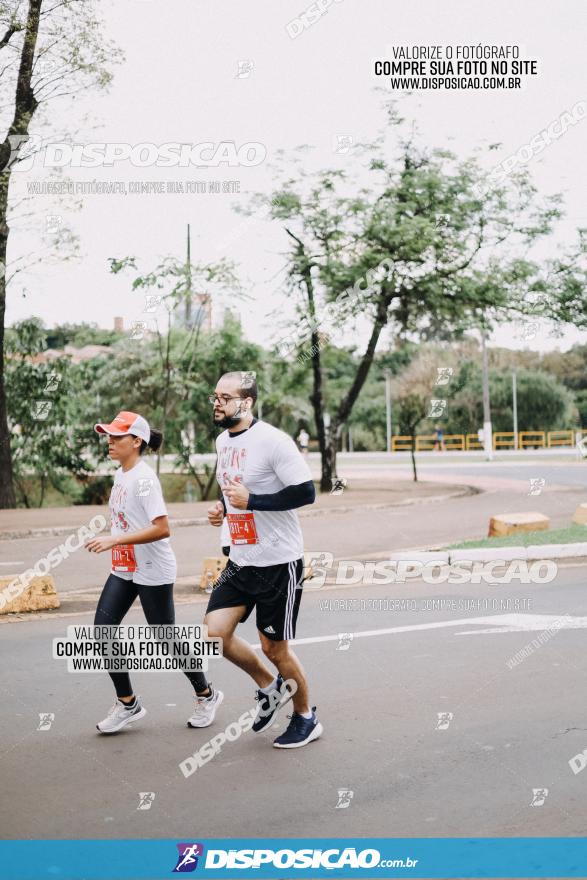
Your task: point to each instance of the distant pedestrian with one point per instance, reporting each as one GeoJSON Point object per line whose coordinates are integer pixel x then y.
{"type": "Point", "coordinates": [439, 439]}
{"type": "Point", "coordinates": [303, 439]}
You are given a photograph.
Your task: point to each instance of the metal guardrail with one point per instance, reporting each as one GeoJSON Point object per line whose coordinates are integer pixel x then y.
{"type": "Point", "coordinates": [401, 443]}
{"type": "Point", "coordinates": [455, 441]}
{"type": "Point", "coordinates": [531, 438]}
{"type": "Point", "coordinates": [504, 440]}
{"type": "Point", "coordinates": [501, 440]}
{"type": "Point", "coordinates": [561, 438]}
{"type": "Point", "coordinates": [425, 442]}
{"type": "Point", "coordinates": [473, 442]}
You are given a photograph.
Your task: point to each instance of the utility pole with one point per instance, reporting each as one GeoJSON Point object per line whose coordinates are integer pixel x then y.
{"type": "Point", "coordinates": [515, 406]}
{"type": "Point", "coordinates": [487, 434]}
{"type": "Point", "coordinates": [188, 298]}
{"type": "Point", "coordinates": [388, 410]}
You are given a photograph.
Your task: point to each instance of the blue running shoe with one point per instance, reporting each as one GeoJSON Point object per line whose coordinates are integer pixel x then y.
{"type": "Point", "coordinates": [270, 703]}
{"type": "Point", "coordinates": [300, 731]}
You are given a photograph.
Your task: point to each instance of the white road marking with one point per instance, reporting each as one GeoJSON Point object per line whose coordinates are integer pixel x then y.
{"type": "Point", "coordinates": [531, 623]}
{"type": "Point", "coordinates": [503, 623]}
{"type": "Point", "coordinates": [11, 563]}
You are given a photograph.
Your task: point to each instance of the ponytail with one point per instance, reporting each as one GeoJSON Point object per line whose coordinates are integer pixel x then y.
{"type": "Point", "coordinates": [155, 441]}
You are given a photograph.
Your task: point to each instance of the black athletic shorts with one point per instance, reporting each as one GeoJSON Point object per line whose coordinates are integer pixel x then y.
{"type": "Point", "coordinates": [275, 590]}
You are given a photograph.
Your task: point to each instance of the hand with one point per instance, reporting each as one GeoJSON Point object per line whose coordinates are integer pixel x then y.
{"type": "Point", "coordinates": [237, 494]}
{"type": "Point", "coordinates": [99, 545]}
{"type": "Point", "coordinates": [216, 514]}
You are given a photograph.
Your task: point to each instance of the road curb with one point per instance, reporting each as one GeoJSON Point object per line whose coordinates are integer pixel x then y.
{"type": "Point", "coordinates": [530, 553]}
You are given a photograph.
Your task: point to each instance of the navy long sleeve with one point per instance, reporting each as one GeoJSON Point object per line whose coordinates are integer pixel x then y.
{"type": "Point", "coordinates": [286, 499]}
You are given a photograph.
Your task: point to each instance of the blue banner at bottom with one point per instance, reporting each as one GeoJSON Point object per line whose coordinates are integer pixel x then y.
{"type": "Point", "coordinates": [280, 858]}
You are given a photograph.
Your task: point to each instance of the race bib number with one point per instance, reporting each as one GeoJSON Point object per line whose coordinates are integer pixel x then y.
{"type": "Point", "coordinates": [242, 528]}
{"type": "Point", "coordinates": [123, 558]}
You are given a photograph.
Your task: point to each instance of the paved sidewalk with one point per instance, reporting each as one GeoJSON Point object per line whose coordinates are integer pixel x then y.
{"type": "Point", "coordinates": [362, 493]}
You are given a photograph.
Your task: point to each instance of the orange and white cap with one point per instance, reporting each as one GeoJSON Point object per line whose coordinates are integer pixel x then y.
{"type": "Point", "coordinates": [126, 423]}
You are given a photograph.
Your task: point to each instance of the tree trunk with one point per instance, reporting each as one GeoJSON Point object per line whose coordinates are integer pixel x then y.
{"type": "Point", "coordinates": [7, 495]}
{"type": "Point", "coordinates": [24, 106]}
{"type": "Point", "coordinates": [328, 445]}
{"type": "Point", "coordinates": [210, 484]}
{"type": "Point", "coordinates": [331, 451]}
{"type": "Point", "coordinates": [327, 466]}
{"type": "Point", "coordinates": [43, 488]}
{"type": "Point", "coordinates": [347, 403]}
{"type": "Point", "coordinates": [413, 461]}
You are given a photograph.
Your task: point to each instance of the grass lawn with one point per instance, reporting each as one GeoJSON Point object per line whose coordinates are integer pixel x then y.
{"type": "Point", "coordinates": [570, 535]}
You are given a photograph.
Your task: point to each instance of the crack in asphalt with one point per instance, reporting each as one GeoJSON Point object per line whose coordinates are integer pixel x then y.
{"type": "Point", "coordinates": [568, 729]}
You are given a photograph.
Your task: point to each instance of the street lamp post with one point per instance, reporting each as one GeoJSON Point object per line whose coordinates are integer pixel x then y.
{"type": "Point", "coordinates": [388, 410]}
{"type": "Point", "coordinates": [487, 435]}
{"type": "Point", "coordinates": [515, 406]}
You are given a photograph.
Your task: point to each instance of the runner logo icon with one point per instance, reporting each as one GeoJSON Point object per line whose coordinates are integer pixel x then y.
{"type": "Point", "coordinates": [187, 860]}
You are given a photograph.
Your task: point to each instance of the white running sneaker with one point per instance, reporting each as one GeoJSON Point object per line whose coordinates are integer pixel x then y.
{"type": "Point", "coordinates": [205, 710]}
{"type": "Point", "coordinates": [119, 716]}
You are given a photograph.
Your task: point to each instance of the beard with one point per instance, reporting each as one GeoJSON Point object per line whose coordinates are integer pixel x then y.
{"type": "Point", "coordinates": [230, 421]}
{"type": "Point", "coordinates": [227, 421]}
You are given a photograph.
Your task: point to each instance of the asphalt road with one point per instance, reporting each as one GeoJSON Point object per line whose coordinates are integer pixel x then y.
{"type": "Point", "coordinates": [553, 469]}
{"type": "Point", "coordinates": [508, 731]}
{"type": "Point", "coordinates": [512, 730]}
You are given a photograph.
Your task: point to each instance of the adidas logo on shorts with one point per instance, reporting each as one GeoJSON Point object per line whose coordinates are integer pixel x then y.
{"type": "Point", "coordinates": [269, 629]}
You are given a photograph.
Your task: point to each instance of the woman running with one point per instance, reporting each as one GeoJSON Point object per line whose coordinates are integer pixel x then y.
{"type": "Point", "coordinates": [143, 563]}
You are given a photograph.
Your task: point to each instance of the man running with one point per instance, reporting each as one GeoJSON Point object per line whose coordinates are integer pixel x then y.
{"type": "Point", "coordinates": [263, 478]}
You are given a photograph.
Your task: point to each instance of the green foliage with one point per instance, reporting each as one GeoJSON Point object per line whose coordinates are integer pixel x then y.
{"type": "Point", "coordinates": [47, 439]}
{"type": "Point", "coordinates": [58, 454]}
{"type": "Point", "coordinates": [94, 490]}
{"type": "Point", "coordinates": [417, 250]}
{"type": "Point", "coordinates": [543, 403]}
{"type": "Point", "coordinates": [581, 401]}
{"type": "Point", "coordinates": [570, 367]}
{"type": "Point", "coordinates": [411, 411]}
{"type": "Point", "coordinates": [79, 335]}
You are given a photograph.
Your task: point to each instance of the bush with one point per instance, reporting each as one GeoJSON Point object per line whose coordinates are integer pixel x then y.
{"type": "Point", "coordinates": [96, 490]}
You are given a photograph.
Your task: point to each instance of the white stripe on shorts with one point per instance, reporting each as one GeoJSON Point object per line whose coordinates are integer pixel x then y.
{"type": "Point", "coordinates": [291, 592]}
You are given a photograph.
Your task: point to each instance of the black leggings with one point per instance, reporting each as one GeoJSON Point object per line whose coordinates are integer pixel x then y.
{"type": "Point", "coordinates": [117, 597]}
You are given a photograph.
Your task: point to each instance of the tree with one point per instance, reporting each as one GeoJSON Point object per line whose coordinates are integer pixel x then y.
{"type": "Point", "coordinates": [418, 252]}
{"type": "Point", "coordinates": [50, 50]}
{"type": "Point", "coordinates": [219, 352]}
{"type": "Point", "coordinates": [48, 440]}
{"type": "Point", "coordinates": [132, 378]}
{"type": "Point", "coordinates": [176, 281]}
{"type": "Point", "coordinates": [581, 400]}
{"type": "Point", "coordinates": [543, 403]}
{"type": "Point", "coordinates": [79, 335]}
{"type": "Point", "coordinates": [412, 409]}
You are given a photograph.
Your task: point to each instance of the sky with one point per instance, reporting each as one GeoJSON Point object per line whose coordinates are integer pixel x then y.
{"type": "Point", "coordinates": [180, 82]}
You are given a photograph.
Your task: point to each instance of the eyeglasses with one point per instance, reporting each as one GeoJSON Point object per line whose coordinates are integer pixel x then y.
{"type": "Point", "coordinates": [222, 398]}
